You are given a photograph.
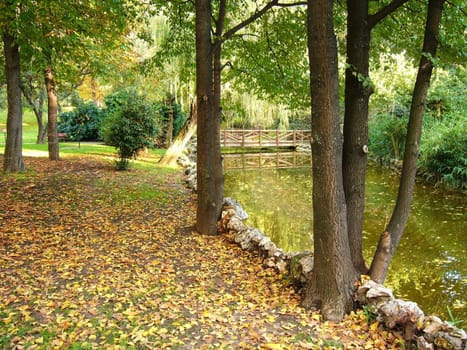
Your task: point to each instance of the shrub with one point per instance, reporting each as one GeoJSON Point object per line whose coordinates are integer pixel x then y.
{"type": "Point", "coordinates": [83, 123]}
{"type": "Point", "coordinates": [443, 152]}
{"type": "Point", "coordinates": [387, 136]}
{"type": "Point", "coordinates": [130, 125]}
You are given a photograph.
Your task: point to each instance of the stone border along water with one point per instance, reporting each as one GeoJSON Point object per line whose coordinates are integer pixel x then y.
{"type": "Point", "coordinates": [429, 332]}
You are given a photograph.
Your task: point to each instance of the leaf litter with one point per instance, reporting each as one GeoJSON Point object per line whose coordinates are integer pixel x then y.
{"type": "Point", "coordinates": [91, 258]}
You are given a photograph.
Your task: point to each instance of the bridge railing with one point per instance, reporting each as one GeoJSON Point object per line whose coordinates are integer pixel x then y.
{"type": "Point", "coordinates": [246, 161]}
{"type": "Point", "coordinates": [264, 138]}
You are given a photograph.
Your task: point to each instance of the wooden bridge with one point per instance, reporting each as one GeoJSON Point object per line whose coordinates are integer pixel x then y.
{"type": "Point", "coordinates": [279, 160]}
{"type": "Point", "coordinates": [265, 138]}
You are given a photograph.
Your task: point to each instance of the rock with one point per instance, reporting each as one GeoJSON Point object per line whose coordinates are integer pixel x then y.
{"type": "Point", "coordinates": [399, 312]}
{"type": "Point", "coordinates": [423, 344]}
{"type": "Point", "coordinates": [299, 267]}
{"type": "Point", "coordinates": [373, 293]}
{"type": "Point", "coordinates": [230, 202]}
{"type": "Point", "coordinates": [235, 224]}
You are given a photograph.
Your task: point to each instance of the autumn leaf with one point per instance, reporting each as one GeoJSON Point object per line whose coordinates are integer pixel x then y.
{"type": "Point", "coordinates": [93, 258]}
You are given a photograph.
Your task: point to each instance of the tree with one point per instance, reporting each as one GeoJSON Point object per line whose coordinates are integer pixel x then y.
{"type": "Point", "coordinates": [391, 237]}
{"type": "Point", "coordinates": [333, 275]}
{"type": "Point", "coordinates": [332, 279]}
{"type": "Point", "coordinates": [34, 94]}
{"type": "Point", "coordinates": [358, 89]}
{"type": "Point", "coordinates": [68, 36]}
{"type": "Point", "coordinates": [13, 158]}
{"type": "Point", "coordinates": [209, 43]}
{"type": "Point", "coordinates": [52, 118]}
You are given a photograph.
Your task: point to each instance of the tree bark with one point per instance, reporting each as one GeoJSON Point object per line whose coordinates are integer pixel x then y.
{"type": "Point", "coordinates": [217, 70]}
{"type": "Point", "coordinates": [357, 96]}
{"type": "Point", "coordinates": [333, 277]}
{"type": "Point", "coordinates": [206, 213]}
{"type": "Point", "coordinates": [13, 157]}
{"type": "Point", "coordinates": [358, 89]}
{"type": "Point", "coordinates": [391, 237]}
{"type": "Point", "coordinates": [170, 123]}
{"type": "Point", "coordinates": [52, 113]}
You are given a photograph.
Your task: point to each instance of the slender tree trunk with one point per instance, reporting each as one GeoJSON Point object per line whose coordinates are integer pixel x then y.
{"type": "Point", "coordinates": [357, 96]}
{"type": "Point", "coordinates": [206, 214]}
{"type": "Point", "coordinates": [177, 147]}
{"type": "Point", "coordinates": [52, 108]}
{"type": "Point", "coordinates": [13, 158]}
{"type": "Point", "coordinates": [391, 237]}
{"type": "Point", "coordinates": [170, 123]}
{"type": "Point", "coordinates": [37, 106]}
{"type": "Point", "coordinates": [332, 284]}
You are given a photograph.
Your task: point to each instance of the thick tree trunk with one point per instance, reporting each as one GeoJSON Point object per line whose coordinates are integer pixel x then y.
{"type": "Point", "coordinates": [217, 53]}
{"type": "Point", "coordinates": [332, 283]}
{"type": "Point", "coordinates": [357, 96]}
{"type": "Point", "coordinates": [52, 112]}
{"type": "Point", "coordinates": [391, 237]}
{"type": "Point", "coordinates": [206, 214]}
{"type": "Point", "coordinates": [176, 148]}
{"type": "Point", "coordinates": [13, 158]}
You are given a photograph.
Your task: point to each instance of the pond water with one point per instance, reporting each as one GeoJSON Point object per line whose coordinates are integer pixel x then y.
{"type": "Point", "coordinates": [429, 266]}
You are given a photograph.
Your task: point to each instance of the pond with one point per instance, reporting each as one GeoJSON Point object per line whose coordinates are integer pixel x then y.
{"type": "Point", "coordinates": [429, 266]}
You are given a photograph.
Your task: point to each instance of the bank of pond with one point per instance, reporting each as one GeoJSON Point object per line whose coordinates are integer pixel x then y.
{"type": "Point", "coordinates": [429, 266]}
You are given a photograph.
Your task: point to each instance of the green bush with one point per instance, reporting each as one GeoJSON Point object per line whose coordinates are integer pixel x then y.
{"type": "Point", "coordinates": [387, 137]}
{"type": "Point", "coordinates": [83, 123]}
{"type": "Point", "coordinates": [130, 125]}
{"type": "Point", "coordinates": [443, 152]}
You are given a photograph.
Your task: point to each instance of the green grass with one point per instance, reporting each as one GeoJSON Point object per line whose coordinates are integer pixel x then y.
{"type": "Point", "coordinates": [31, 148]}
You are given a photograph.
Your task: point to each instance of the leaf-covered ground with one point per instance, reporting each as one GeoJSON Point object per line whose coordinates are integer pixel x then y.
{"type": "Point", "coordinates": [91, 258]}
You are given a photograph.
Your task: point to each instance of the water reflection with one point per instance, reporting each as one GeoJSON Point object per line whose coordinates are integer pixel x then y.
{"type": "Point", "coordinates": [429, 266]}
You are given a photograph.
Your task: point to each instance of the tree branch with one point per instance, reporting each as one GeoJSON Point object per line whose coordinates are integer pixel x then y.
{"type": "Point", "coordinates": [299, 3]}
{"type": "Point", "coordinates": [384, 12]}
{"type": "Point", "coordinates": [228, 34]}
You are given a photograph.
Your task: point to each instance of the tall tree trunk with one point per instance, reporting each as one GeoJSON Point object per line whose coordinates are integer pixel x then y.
{"type": "Point", "coordinates": [52, 113]}
{"type": "Point", "coordinates": [206, 214]}
{"type": "Point", "coordinates": [13, 157]}
{"type": "Point", "coordinates": [391, 237]}
{"type": "Point", "coordinates": [217, 70]}
{"type": "Point", "coordinates": [176, 148]}
{"type": "Point", "coordinates": [170, 123]}
{"type": "Point", "coordinates": [357, 96]}
{"type": "Point", "coordinates": [332, 284]}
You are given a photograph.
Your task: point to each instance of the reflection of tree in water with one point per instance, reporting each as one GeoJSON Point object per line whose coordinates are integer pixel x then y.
{"type": "Point", "coordinates": [429, 266]}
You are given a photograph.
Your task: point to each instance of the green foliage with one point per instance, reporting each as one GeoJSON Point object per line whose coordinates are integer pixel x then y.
{"type": "Point", "coordinates": [443, 147]}
{"type": "Point", "coordinates": [370, 313]}
{"type": "Point", "coordinates": [130, 124]}
{"type": "Point", "coordinates": [443, 152]}
{"type": "Point", "coordinates": [387, 136]}
{"type": "Point", "coordinates": [3, 101]}
{"type": "Point", "coordinates": [453, 321]}
{"type": "Point", "coordinates": [83, 123]}
{"type": "Point", "coordinates": [179, 117]}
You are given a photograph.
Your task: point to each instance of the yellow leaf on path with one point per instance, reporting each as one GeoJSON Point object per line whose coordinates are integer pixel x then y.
{"type": "Point", "coordinates": [272, 346]}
